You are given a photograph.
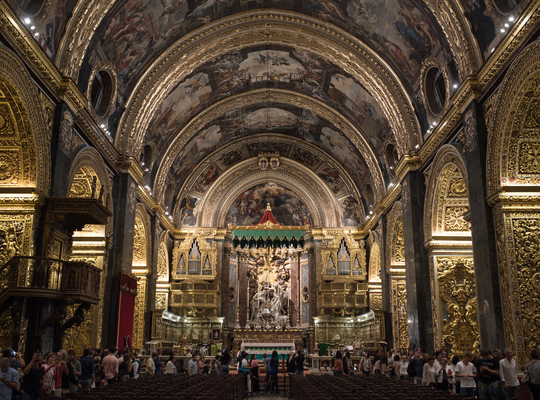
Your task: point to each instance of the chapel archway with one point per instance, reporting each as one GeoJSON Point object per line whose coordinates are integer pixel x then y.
{"type": "Point", "coordinates": [513, 167]}
{"type": "Point", "coordinates": [449, 243]}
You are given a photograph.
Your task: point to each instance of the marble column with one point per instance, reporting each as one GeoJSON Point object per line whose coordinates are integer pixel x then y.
{"type": "Point", "coordinates": [420, 315]}
{"type": "Point", "coordinates": [121, 255]}
{"type": "Point", "coordinates": [490, 314]}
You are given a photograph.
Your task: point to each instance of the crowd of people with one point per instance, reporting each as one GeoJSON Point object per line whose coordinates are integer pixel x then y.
{"type": "Point", "coordinates": [488, 376]}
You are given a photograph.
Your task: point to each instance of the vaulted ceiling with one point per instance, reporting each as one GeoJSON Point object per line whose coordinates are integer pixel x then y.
{"type": "Point", "coordinates": [340, 89]}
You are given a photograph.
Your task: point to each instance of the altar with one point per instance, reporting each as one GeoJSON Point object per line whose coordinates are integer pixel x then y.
{"type": "Point", "coordinates": [266, 341]}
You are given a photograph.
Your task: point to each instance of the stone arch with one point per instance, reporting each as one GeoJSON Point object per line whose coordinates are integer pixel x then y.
{"type": "Point", "coordinates": [446, 196]}
{"type": "Point", "coordinates": [24, 137]}
{"type": "Point", "coordinates": [88, 178]}
{"type": "Point", "coordinates": [196, 48]}
{"type": "Point", "coordinates": [324, 208]}
{"type": "Point", "coordinates": [261, 97]}
{"type": "Point", "coordinates": [449, 243]}
{"type": "Point", "coordinates": [513, 179]}
{"type": "Point", "coordinates": [513, 147]}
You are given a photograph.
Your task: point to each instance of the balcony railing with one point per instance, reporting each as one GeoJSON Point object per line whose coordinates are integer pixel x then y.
{"type": "Point", "coordinates": [45, 277]}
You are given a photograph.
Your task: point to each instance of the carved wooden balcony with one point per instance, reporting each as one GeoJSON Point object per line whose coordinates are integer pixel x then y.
{"type": "Point", "coordinates": [49, 278]}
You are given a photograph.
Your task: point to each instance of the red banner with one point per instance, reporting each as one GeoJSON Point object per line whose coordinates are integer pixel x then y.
{"type": "Point", "coordinates": [126, 310]}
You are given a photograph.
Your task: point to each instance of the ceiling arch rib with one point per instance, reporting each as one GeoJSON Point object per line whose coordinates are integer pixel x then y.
{"type": "Point", "coordinates": [347, 184]}
{"type": "Point", "coordinates": [323, 206]}
{"type": "Point", "coordinates": [262, 28]}
{"type": "Point", "coordinates": [263, 96]}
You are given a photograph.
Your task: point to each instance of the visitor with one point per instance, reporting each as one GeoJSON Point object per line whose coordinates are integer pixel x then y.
{"type": "Point", "coordinates": [9, 379]}
{"type": "Point", "coordinates": [347, 363]}
{"type": "Point", "coordinates": [533, 374]}
{"type": "Point", "coordinates": [418, 366]}
{"type": "Point", "coordinates": [136, 365]}
{"type": "Point", "coordinates": [192, 365]}
{"type": "Point", "coordinates": [170, 368]}
{"type": "Point", "coordinates": [377, 366]}
{"type": "Point", "coordinates": [455, 380]}
{"type": "Point", "coordinates": [429, 372]}
{"type": "Point", "coordinates": [437, 361]}
{"type": "Point", "coordinates": [87, 370]}
{"type": "Point", "coordinates": [291, 364]}
{"type": "Point", "coordinates": [151, 364]}
{"type": "Point", "coordinates": [338, 364]}
{"type": "Point", "coordinates": [74, 372]}
{"type": "Point", "coordinates": [266, 362]}
{"type": "Point", "coordinates": [444, 376]}
{"type": "Point", "coordinates": [61, 374]}
{"type": "Point", "coordinates": [216, 365]}
{"type": "Point", "coordinates": [48, 377]}
{"type": "Point", "coordinates": [365, 364]}
{"type": "Point", "coordinates": [245, 370]}
{"type": "Point", "coordinates": [158, 362]}
{"type": "Point", "coordinates": [15, 359]}
{"type": "Point", "coordinates": [274, 368]}
{"type": "Point", "coordinates": [110, 366]}
{"type": "Point", "coordinates": [508, 375]}
{"type": "Point", "coordinates": [201, 364]}
{"type": "Point", "coordinates": [254, 366]}
{"type": "Point", "coordinates": [125, 368]}
{"type": "Point", "coordinates": [488, 374]}
{"type": "Point", "coordinates": [299, 361]}
{"type": "Point", "coordinates": [33, 374]}
{"type": "Point", "coordinates": [98, 372]}
{"type": "Point", "coordinates": [225, 362]}
{"type": "Point", "coordinates": [466, 372]}
{"type": "Point", "coordinates": [402, 367]}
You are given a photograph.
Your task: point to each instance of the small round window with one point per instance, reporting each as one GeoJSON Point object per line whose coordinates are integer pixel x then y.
{"type": "Point", "coordinates": [101, 93]}
{"type": "Point", "coordinates": [435, 90]}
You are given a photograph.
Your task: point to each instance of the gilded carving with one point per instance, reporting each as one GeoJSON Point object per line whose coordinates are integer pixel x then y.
{"type": "Point", "coordinates": [10, 165]}
{"type": "Point", "coordinates": [526, 234]}
{"type": "Point", "coordinates": [529, 157]}
{"type": "Point", "coordinates": [163, 263]}
{"type": "Point", "coordinates": [79, 337]}
{"type": "Point", "coordinates": [66, 132]}
{"type": "Point", "coordinates": [206, 252]}
{"type": "Point", "coordinates": [398, 243]}
{"type": "Point", "coordinates": [356, 252]}
{"type": "Point", "coordinates": [399, 314]}
{"type": "Point", "coordinates": [470, 132]}
{"type": "Point", "coordinates": [138, 315]}
{"type": "Point", "coordinates": [161, 301]}
{"type": "Point", "coordinates": [454, 220]}
{"type": "Point", "coordinates": [376, 301]}
{"type": "Point", "coordinates": [457, 293]}
{"type": "Point", "coordinates": [139, 243]}
{"type": "Point", "coordinates": [532, 120]}
{"type": "Point", "coordinates": [48, 112]}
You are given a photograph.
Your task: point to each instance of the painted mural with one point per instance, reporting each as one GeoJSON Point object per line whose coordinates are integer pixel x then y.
{"type": "Point", "coordinates": [490, 21]}
{"type": "Point", "coordinates": [332, 177]}
{"type": "Point", "coordinates": [350, 211]}
{"type": "Point", "coordinates": [404, 34]}
{"type": "Point", "coordinates": [249, 207]}
{"type": "Point", "coordinates": [48, 19]}
{"type": "Point", "coordinates": [188, 211]}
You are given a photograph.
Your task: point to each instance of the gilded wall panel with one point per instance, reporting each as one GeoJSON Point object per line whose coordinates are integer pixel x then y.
{"type": "Point", "coordinates": [79, 337]}
{"type": "Point", "coordinates": [140, 310]}
{"type": "Point", "coordinates": [398, 243]}
{"type": "Point", "coordinates": [524, 279]}
{"type": "Point", "coordinates": [400, 325]}
{"type": "Point", "coordinates": [458, 304]}
{"type": "Point", "coordinates": [163, 263]}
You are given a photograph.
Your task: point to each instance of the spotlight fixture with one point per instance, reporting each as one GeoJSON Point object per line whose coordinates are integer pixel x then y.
{"type": "Point", "coordinates": [27, 21]}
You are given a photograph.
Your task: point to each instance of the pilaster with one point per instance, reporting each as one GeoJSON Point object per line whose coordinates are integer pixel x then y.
{"type": "Point", "coordinates": [490, 315]}
{"type": "Point", "coordinates": [420, 318]}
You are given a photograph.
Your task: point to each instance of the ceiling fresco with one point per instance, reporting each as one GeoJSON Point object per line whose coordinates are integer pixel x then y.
{"type": "Point", "coordinates": [243, 123]}
{"type": "Point", "coordinates": [249, 207]}
{"type": "Point", "coordinates": [313, 158]}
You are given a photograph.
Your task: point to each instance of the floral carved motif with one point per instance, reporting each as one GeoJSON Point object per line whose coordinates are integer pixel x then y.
{"type": "Point", "coordinates": [453, 218]}
{"type": "Point", "coordinates": [527, 246]}
{"type": "Point", "coordinates": [457, 292]}
{"type": "Point", "coordinates": [529, 157]}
